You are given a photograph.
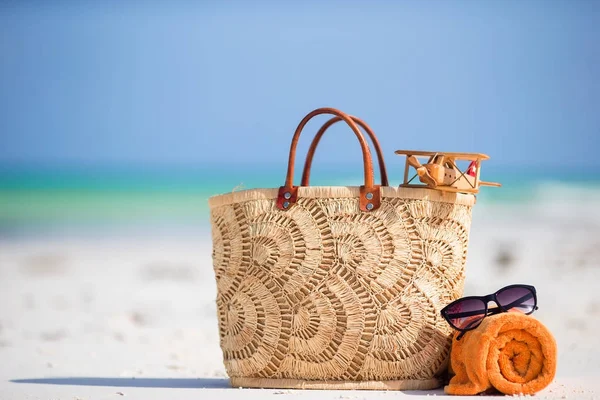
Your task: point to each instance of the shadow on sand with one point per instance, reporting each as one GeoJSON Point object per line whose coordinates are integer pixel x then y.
{"type": "Point", "coordinates": [171, 383]}
{"type": "Point", "coordinates": [174, 383]}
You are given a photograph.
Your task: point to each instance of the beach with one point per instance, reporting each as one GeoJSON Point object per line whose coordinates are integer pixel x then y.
{"type": "Point", "coordinates": [99, 316]}
{"type": "Point", "coordinates": [120, 120]}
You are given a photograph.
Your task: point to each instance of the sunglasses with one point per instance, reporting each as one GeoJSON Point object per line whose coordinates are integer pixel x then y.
{"type": "Point", "coordinates": [467, 313]}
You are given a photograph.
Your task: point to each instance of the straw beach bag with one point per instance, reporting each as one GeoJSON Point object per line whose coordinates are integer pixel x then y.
{"type": "Point", "coordinates": [337, 287]}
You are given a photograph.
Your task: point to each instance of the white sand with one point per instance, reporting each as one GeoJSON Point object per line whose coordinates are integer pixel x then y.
{"type": "Point", "coordinates": [80, 318]}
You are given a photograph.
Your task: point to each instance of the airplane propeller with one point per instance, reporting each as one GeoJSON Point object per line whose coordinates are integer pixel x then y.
{"type": "Point", "coordinates": [423, 173]}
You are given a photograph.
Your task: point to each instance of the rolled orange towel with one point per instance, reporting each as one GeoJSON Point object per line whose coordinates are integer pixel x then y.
{"type": "Point", "coordinates": [510, 352]}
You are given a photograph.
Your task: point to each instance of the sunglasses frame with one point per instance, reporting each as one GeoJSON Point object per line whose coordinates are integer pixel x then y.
{"type": "Point", "coordinates": [488, 311]}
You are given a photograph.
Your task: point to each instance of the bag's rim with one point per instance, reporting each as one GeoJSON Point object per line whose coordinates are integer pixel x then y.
{"type": "Point", "coordinates": [284, 383]}
{"type": "Point", "coordinates": [323, 192]}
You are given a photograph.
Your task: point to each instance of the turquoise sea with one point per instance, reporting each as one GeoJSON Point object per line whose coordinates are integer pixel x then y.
{"type": "Point", "coordinates": [54, 200]}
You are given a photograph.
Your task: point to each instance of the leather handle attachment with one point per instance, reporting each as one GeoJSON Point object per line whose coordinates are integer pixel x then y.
{"type": "Point", "coordinates": [370, 195]}
{"type": "Point", "coordinates": [313, 147]}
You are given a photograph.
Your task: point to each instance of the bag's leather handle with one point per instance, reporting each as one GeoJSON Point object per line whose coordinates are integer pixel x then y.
{"type": "Point", "coordinates": [370, 196]}
{"type": "Point", "coordinates": [313, 147]}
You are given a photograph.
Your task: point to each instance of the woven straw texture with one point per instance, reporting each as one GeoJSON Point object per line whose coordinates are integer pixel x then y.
{"type": "Point", "coordinates": [326, 296]}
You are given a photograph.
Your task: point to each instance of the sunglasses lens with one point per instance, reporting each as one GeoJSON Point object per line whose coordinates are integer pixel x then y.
{"type": "Point", "coordinates": [517, 299]}
{"type": "Point", "coordinates": [466, 314]}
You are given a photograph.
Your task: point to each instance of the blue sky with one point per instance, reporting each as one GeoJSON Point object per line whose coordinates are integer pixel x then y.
{"type": "Point", "coordinates": [189, 83]}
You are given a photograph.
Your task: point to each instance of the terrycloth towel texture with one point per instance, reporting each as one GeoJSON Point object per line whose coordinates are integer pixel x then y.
{"type": "Point", "coordinates": [510, 352]}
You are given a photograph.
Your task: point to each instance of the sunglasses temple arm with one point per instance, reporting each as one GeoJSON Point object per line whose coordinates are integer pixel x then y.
{"type": "Point", "coordinates": [494, 311]}
{"type": "Point", "coordinates": [464, 330]}
{"type": "Point", "coordinates": [519, 301]}
{"type": "Point", "coordinates": [466, 314]}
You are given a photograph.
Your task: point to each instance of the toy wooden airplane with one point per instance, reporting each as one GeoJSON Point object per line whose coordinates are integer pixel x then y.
{"type": "Point", "coordinates": [440, 172]}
